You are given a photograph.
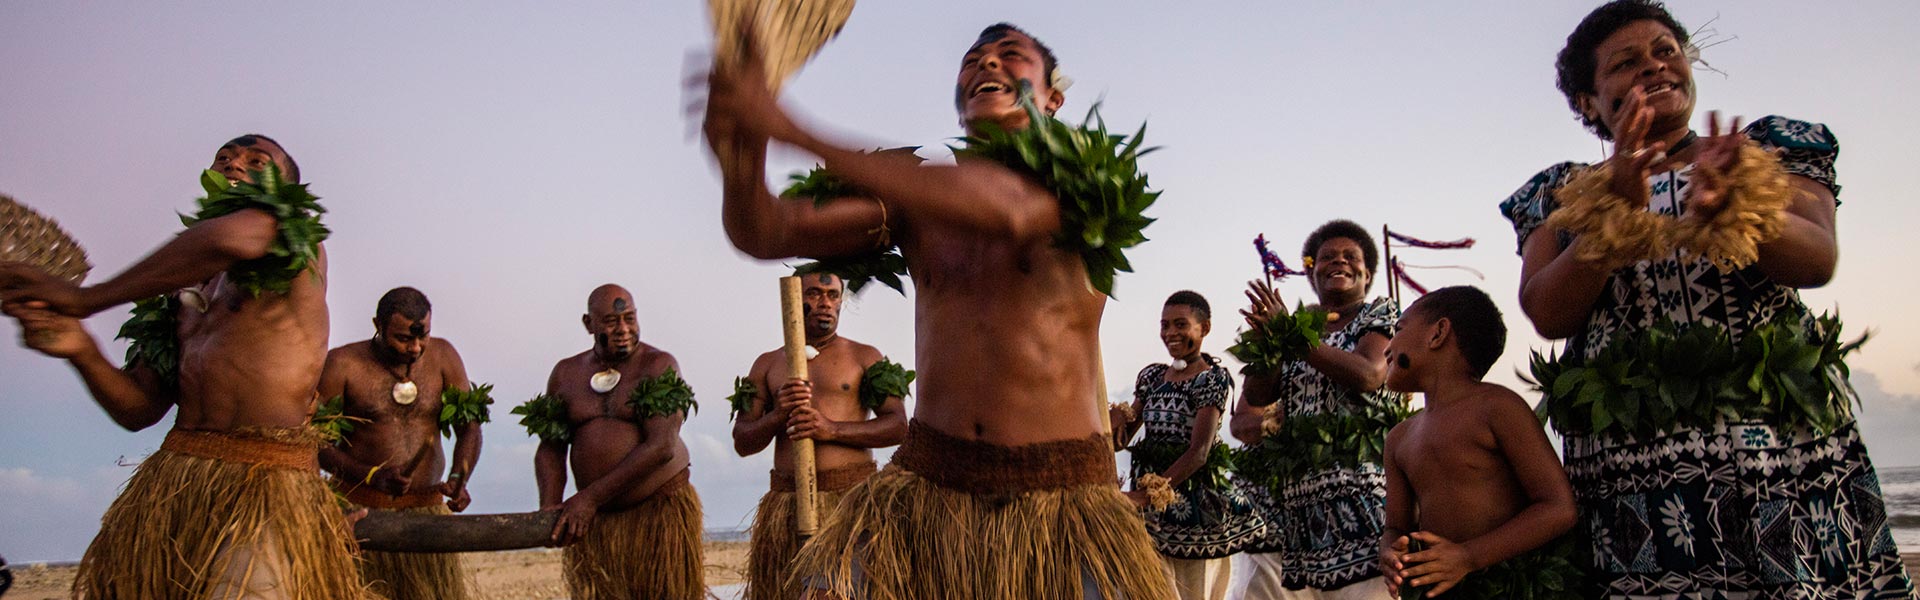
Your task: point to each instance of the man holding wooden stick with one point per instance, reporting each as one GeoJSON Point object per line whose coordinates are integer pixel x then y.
{"type": "Point", "coordinates": [632, 528]}
{"type": "Point", "coordinates": [849, 404]}
{"type": "Point", "coordinates": [230, 325]}
{"type": "Point", "coordinates": [391, 390]}
{"type": "Point", "coordinates": [1005, 486]}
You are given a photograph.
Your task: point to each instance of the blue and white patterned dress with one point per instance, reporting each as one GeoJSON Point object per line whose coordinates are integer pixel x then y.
{"type": "Point", "coordinates": [1210, 519]}
{"type": "Point", "coordinates": [1326, 525]}
{"type": "Point", "coordinates": [1740, 509]}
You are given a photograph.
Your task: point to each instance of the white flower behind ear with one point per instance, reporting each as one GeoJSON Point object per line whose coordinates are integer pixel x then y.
{"type": "Point", "coordinates": [1059, 82]}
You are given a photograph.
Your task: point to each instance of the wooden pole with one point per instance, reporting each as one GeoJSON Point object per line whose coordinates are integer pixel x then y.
{"type": "Point", "coordinates": [805, 492]}
{"type": "Point", "coordinates": [395, 531]}
{"type": "Point", "coordinates": [1393, 281]}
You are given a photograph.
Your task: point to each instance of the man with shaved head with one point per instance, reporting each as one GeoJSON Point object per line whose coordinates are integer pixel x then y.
{"type": "Point", "coordinates": [232, 331]}
{"type": "Point", "coordinates": [632, 529]}
{"type": "Point", "coordinates": [391, 387]}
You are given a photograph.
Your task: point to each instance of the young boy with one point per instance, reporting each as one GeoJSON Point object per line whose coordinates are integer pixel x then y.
{"type": "Point", "coordinates": [1472, 484]}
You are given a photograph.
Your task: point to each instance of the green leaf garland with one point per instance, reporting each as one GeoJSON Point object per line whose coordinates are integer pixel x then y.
{"type": "Point", "coordinates": [1283, 338]}
{"type": "Point", "coordinates": [1307, 444]}
{"type": "Point", "coordinates": [154, 333]}
{"type": "Point", "coordinates": [882, 263]}
{"type": "Point", "coordinates": [295, 249]}
{"type": "Point", "coordinates": [1781, 373]}
{"type": "Point", "coordinates": [1095, 174]}
{"type": "Point", "coordinates": [330, 420]}
{"type": "Point", "coordinates": [884, 379]}
{"type": "Point", "coordinates": [545, 416]}
{"type": "Point", "coordinates": [662, 396]}
{"type": "Point", "coordinates": [741, 400]}
{"type": "Point", "coordinates": [461, 407]}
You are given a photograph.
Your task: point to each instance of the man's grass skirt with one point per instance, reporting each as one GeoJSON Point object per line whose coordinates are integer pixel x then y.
{"type": "Point", "coordinates": [775, 538]}
{"type": "Point", "coordinates": [411, 575]}
{"type": "Point", "coordinates": [962, 519]}
{"type": "Point", "coordinates": [224, 515]}
{"type": "Point", "coordinates": [650, 551]}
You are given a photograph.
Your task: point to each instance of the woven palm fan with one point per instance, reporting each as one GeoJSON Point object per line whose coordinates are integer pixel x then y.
{"type": "Point", "coordinates": [790, 32]}
{"type": "Point", "coordinates": [29, 237]}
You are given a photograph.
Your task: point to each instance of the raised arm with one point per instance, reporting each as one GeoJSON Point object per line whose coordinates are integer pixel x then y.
{"type": "Point", "coordinates": [133, 398]}
{"type": "Point", "coordinates": [197, 254]}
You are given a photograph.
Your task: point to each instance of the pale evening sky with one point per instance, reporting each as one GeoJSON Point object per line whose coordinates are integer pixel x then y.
{"type": "Point", "coordinates": [506, 157]}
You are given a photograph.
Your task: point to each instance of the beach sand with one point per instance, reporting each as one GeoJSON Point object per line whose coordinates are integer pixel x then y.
{"type": "Point", "coordinates": [526, 574]}
{"type": "Point", "coordinates": [519, 575]}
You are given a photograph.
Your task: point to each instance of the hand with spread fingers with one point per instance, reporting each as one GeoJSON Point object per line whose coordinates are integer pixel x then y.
{"type": "Point", "coordinates": [1263, 304]}
{"type": "Point", "coordinates": [1634, 159]}
{"type": "Point", "coordinates": [1718, 154]}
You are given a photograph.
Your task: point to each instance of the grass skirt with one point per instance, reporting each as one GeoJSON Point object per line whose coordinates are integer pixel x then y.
{"type": "Point", "coordinates": [961, 519]}
{"type": "Point", "coordinates": [774, 539]}
{"type": "Point", "coordinates": [221, 515]}
{"type": "Point", "coordinates": [650, 551]}
{"type": "Point", "coordinates": [417, 575]}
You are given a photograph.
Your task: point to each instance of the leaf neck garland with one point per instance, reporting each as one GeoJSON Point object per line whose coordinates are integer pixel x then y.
{"type": "Point", "coordinates": [1095, 175]}
{"type": "Point", "coordinates": [741, 400]}
{"type": "Point", "coordinates": [1281, 339]}
{"type": "Point", "coordinates": [295, 249]}
{"type": "Point", "coordinates": [884, 379]}
{"type": "Point", "coordinates": [154, 333]}
{"type": "Point", "coordinates": [330, 420]}
{"type": "Point", "coordinates": [1157, 457]}
{"type": "Point", "coordinates": [662, 396]}
{"type": "Point", "coordinates": [1782, 373]}
{"type": "Point", "coordinates": [458, 408]}
{"type": "Point", "coordinates": [545, 416]}
{"type": "Point", "coordinates": [1307, 444]}
{"type": "Point", "coordinates": [882, 263]}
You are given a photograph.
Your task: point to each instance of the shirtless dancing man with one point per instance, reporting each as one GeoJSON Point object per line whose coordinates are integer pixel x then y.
{"type": "Point", "coordinates": [392, 459]}
{"type": "Point", "coordinates": [1005, 486]}
{"type": "Point", "coordinates": [836, 418]}
{"type": "Point", "coordinates": [232, 503]}
{"type": "Point", "coordinates": [632, 529]}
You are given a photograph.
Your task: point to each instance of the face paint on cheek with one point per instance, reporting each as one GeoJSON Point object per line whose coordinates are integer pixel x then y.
{"type": "Point", "coordinates": [600, 339]}
{"type": "Point", "coordinates": [1402, 362]}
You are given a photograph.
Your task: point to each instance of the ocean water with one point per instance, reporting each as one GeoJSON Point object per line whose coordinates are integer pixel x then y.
{"type": "Point", "coordinates": [1901, 489]}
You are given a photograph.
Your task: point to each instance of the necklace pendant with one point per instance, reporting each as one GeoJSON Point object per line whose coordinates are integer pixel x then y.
{"type": "Point", "coordinates": [1179, 364]}
{"type": "Point", "coordinates": [604, 381]}
{"type": "Point", "coordinates": [404, 392]}
{"type": "Point", "coordinates": [812, 352]}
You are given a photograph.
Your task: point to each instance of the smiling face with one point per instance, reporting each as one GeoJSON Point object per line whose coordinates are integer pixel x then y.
{"type": "Point", "coordinates": [613, 322]}
{"type": "Point", "coordinates": [1339, 273]}
{"type": "Point", "coordinates": [988, 87]}
{"type": "Point", "coordinates": [1182, 329]}
{"type": "Point", "coordinates": [1647, 55]}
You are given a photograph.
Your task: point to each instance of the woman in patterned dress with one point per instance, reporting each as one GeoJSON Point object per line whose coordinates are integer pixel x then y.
{"type": "Point", "coordinates": [1324, 511]}
{"type": "Point", "coordinates": [1180, 405]}
{"type": "Point", "coordinates": [1738, 507]}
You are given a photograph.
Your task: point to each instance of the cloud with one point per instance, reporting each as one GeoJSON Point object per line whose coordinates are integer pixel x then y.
{"type": "Point", "coordinates": [53, 516]}
{"type": "Point", "coordinates": [1887, 422]}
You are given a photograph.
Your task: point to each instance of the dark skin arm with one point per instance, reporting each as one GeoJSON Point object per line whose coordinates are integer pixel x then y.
{"type": "Point", "coordinates": [466, 446]}
{"type": "Point", "coordinates": [1808, 249]}
{"type": "Point", "coordinates": [973, 195]}
{"type": "Point", "coordinates": [1549, 513]}
{"type": "Point", "coordinates": [888, 427]}
{"type": "Point", "coordinates": [133, 398]}
{"type": "Point", "coordinates": [1245, 424]}
{"type": "Point", "coordinates": [1205, 423]}
{"type": "Point", "coordinates": [762, 421]}
{"type": "Point", "coordinates": [196, 255]}
{"type": "Point", "coordinates": [550, 460]}
{"type": "Point", "coordinates": [1400, 514]}
{"type": "Point", "coordinates": [577, 513]}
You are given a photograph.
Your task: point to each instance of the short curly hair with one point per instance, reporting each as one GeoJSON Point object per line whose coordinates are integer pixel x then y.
{"type": "Point", "coordinates": [1342, 228]}
{"type": "Point", "coordinates": [1576, 65]}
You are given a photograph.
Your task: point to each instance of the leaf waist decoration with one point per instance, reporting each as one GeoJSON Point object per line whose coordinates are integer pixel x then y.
{"type": "Point", "coordinates": [1786, 373]}
{"type": "Point", "coordinates": [1308, 444]}
{"type": "Point", "coordinates": [1157, 457]}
